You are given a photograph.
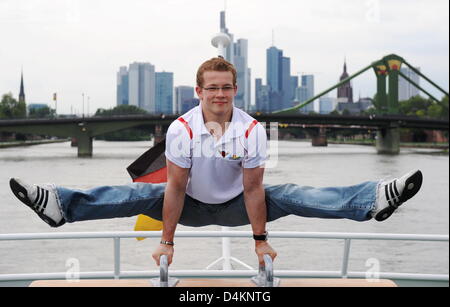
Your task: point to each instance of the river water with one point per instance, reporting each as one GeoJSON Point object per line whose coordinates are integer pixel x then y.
{"type": "Point", "coordinates": [298, 162]}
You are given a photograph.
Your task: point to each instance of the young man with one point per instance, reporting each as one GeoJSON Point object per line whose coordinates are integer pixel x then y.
{"type": "Point", "coordinates": [215, 166]}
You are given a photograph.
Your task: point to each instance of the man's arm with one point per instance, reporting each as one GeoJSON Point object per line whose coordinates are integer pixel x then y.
{"type": "Point", "coordinates": [255, 204]}
{"type": "Point", "coordinates": [174, 195]}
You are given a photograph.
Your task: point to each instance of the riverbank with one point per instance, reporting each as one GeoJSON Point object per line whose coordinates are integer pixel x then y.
{"type": "Point", "coordinates": [441, 146]}
{"type": "Point", "coordinates": [29, 143]}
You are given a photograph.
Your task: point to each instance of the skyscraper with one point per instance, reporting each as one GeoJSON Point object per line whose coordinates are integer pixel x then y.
{"type": "Point", "coordinates": [242, 99]}
{"type": "Point", "coordinates": [326, 105]}
{"type": "Point", "coordinates": [164, 92]}
{"type": "Point", "coordinates": [294, 86]}
{"type": "Point", "coordinates": [286, 82]}
{"type": "Point", "coordinates": [229, 53]}
{"type": "Point", "coordinates": [261, 96]}
{"type": "Point", "coordinates": [307, 92]}
{"type": "Point", "coordinates": [279, 79]}
{"type": "Point", "coordinates": [184, 99]}
{"type": "Point", "coordinates": [274, 57]}
{"type": "Point", "coordinates": [405, 89]}
{"type": "Point", "coordinates": [274, 68]}
{"type": "Point", "coordinates": [237, 54]}
{"type": "Point", "coordinates": [141, 86]}
{"type": "Point", "coordinates": [122, 86]}
{"type": "Point", "coordinates": [301, 94]}
{"type": "Point", "coordinates": [345, 92]}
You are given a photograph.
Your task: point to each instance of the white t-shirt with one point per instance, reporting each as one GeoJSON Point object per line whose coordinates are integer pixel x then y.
{"type": "Point", "coordinates": [216, 166]}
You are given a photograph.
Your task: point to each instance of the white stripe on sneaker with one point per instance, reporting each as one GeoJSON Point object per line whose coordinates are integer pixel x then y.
{"type": "Point", "coordinates": [395, 189]}
{"type": "Point", "coordinates": [37, 197]}
{"type": "Point", "coordinates": [392, 195]}
{"type": "Point", "coordinates": [387, 194]}
{"type": "Point", "coordinates": [41, 198]}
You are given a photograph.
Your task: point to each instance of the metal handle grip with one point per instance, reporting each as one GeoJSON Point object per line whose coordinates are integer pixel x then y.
{"type": "Point", "coordinates": [163, 271]}
{"type": "Point", "coordinates": [269, 270]}
{"type": "Point", "coordinates": [265, 273]}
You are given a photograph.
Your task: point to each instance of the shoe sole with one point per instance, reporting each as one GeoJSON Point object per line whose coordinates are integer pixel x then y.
{"type": "Point", "coordinates": [412, 186]}
{"type": "Point", "coordinates": [21, 193]}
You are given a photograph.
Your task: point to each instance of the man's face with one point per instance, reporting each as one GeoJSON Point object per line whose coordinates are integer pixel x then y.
{"type": "Point", "coordinates": [217, 93]}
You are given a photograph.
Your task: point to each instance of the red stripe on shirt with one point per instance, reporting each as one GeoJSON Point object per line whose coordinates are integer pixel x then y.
{"type": "Point", "coordinates": [186, 125]}
{"type": "Point", "coordinates": [249, 130]}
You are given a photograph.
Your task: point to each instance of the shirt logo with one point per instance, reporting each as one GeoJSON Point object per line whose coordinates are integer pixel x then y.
{"type": "Point", "coordinates": [225, 154]}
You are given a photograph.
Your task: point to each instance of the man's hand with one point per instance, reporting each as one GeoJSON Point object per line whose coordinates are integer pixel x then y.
{"type": "Point", "coordinates": [262, 248]}
{"type": "Point", "coordinates": [163, 249]}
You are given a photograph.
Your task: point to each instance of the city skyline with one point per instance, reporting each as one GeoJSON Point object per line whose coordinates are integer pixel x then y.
{"type": "Point", "coordinates": [70, 51]}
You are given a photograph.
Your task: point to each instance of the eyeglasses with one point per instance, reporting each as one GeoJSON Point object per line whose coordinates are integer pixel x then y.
{"type": "Point", "coordinates": [215, 90]}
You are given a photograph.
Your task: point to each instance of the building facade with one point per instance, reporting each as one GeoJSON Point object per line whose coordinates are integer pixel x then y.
{"type": "Point", "coordinates": [237, 54]}
{"type": "Point", "coordinates": [261, 96]}
{"type": "Point", "coordinates": [274, 77]}
{"type": "Point", "coordinates": [122, 86]}
{"type": "Point", "coordinates": [327, 105]}
{"type": "Point", "coordinates": [164, 93]}
{"type": "Point", "coordinates": [243, 96]}
{"type": "Point", "coordinates": [229, 52]}
{"type": "Point", "coordinates": [141, 86]}
{"type": "Point", "coordinates": [184, 99]}
{"type": "Point", "coordinates": [306, 92]}
{"type": "Point", "coordinates": [407, 90]}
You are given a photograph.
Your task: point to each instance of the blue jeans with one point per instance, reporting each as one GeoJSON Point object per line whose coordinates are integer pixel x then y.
{"type": "Point", "coordinates": [352, 202]}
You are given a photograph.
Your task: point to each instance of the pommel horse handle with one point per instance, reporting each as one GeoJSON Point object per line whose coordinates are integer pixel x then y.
{"type": "Point", "coordinates": [266, 271]}
{"type": "Point", "coordinates": [269, 270]}
{"type": "Point", "coordinates": [265, 274]}
{"type": "Point", "coordinates": [164, 280]}
{"type": "Point", "coordinates": [163, 271]}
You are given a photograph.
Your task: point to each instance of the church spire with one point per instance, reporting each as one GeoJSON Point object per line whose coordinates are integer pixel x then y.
{"type": "Point", "coordinates": [22, 91]}
{"type": "Point", "coordinates": [345, 91]}
{"type": "Point", "coordinates": [345, 73]}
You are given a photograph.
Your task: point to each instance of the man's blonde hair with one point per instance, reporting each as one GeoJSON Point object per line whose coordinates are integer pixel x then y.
{"type": "Point", "coordinates": [215, 64]}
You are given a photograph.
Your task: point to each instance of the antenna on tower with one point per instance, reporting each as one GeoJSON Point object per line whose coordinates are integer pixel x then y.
{"type": "Point", "coordinates": [273, 37]}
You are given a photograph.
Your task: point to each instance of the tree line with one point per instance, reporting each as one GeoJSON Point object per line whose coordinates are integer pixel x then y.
{"type": "Point", "coordinates": [11, 108]}
{"type": "Point", "coordinates": [131, 134]}
{"type": "Point", "coordinates": [416, 106]}
{"type": "Point", "coordinates": [420, 107]}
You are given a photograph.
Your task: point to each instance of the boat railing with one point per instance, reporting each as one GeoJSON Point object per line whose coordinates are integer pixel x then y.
{"type": "Point", "coordinates": [118, 273]}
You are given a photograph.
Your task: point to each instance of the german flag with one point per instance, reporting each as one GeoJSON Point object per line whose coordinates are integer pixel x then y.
{"type": "Point", "coordinates": [150, 167]}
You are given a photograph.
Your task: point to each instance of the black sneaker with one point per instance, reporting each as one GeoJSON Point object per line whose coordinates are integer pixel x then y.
{"type": "Point", "coordinates": [393, 194]}
{"type": "Point", "coordinates": [42, 199]}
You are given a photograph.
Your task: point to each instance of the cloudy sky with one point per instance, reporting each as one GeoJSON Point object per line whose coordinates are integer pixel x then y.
{"type": "Point", "coordinates": [77, 46]}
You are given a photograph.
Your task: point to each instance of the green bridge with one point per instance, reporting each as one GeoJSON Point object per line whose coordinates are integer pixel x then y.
{"type": "Point", "coordinates": [387, 72]}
